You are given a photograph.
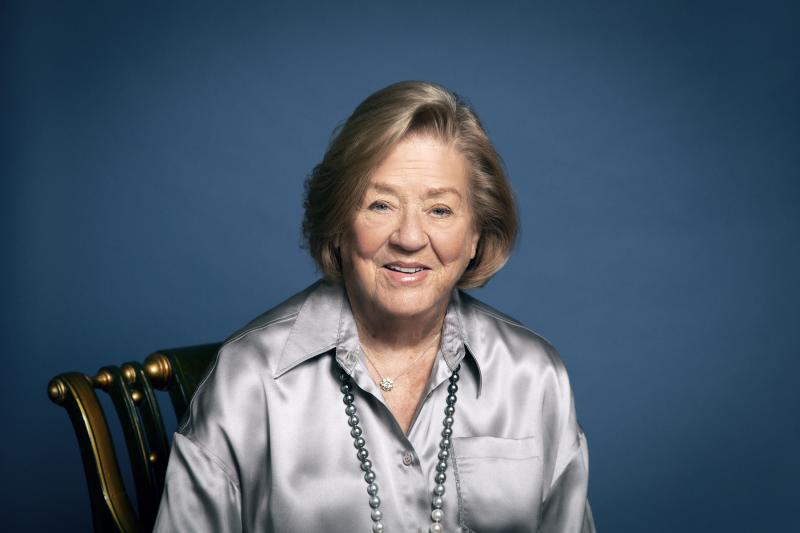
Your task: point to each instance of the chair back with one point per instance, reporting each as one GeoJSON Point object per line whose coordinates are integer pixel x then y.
{"type": "Point", "coordinates": [131, 387]}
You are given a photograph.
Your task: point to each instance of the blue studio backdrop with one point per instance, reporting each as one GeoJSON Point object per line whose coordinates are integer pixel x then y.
{"type": "Point", "coordinates": [153, 159]}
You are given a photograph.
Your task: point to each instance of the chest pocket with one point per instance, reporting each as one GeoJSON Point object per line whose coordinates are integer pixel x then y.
{"type": "Point", "coordinates": [499, 483]}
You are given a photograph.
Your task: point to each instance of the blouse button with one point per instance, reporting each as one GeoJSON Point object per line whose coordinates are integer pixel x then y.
{"type": "Point", "coordinates": [408, 458]}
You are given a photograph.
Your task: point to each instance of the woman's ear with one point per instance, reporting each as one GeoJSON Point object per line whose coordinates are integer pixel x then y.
{"type": "Point", "coordinates": [476, 237]}
{"type": "Point", "coordinates": [337, 251]}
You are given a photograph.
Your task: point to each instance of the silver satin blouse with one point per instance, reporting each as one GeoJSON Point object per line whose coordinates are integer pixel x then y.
{"type": "Point", "coordinates": [266, 445]}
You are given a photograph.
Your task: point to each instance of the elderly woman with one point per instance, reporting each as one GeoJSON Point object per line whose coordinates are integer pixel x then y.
{"type": "Point", "coordinates": [383, 398]}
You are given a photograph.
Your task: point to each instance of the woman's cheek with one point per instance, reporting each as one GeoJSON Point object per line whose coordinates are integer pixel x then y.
{"type": "Point", "coordinates": [452, 245]}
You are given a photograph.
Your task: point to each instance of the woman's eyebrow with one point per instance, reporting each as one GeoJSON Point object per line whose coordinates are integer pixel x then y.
{"type": "Point", "coordinates": [441, 191]}
{"type": "Point", "coordinates": [432, 192]}
{"type": "Point", "coordinates": [383, 188]}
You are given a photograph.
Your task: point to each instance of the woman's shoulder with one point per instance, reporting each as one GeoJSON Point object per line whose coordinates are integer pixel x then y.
{"type": "Point", "coordinates": [264, 336]}
{"type": "Point", "coordinates": [247, 358]}
{"type": "Point", "coordinates": [281, 314]}
{"type": "Point", "coordinates": [486, 328]}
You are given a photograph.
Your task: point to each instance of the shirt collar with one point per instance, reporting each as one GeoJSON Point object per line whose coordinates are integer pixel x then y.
{"type": "Point", "coordinates": [325, 322]}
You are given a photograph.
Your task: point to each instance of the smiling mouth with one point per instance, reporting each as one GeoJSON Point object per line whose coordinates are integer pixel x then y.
{"type": "Point", "coordinates": [405, 270]}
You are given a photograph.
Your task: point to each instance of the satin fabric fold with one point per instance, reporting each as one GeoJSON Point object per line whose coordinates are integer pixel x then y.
{"type": "Point", "coordinates": [266, 445]}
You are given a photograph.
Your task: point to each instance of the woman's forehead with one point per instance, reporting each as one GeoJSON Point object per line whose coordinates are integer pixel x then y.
{"type": "Point", "coordinates": [426, 190]}
{"type": "Point", "coordinates": [425, 166]}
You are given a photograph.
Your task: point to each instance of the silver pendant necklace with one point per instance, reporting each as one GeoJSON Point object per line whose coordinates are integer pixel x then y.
{"type": "Point", "coordinates": [437, 502]}
{"type": "Point", "coordinates": [387, 384]}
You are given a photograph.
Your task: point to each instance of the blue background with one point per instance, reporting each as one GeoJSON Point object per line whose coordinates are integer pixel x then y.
{"type": "Point", "coordinates": [153, 159]}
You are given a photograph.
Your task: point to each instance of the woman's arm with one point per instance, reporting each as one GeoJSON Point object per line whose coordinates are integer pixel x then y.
{"type": "Point", "coordinates": [199, 494]}
{"type": "Point", "coordinates": [565, 507]}
{"type": "Point", "coordinates": [220, 448]}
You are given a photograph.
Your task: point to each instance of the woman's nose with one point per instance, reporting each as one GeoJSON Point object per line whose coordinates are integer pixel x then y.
{"type": "Point", "coordinates": [409, 234]}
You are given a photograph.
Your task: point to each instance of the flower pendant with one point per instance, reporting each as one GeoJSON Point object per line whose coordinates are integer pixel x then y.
{"type": "Point", "coordinates": [387, 384]}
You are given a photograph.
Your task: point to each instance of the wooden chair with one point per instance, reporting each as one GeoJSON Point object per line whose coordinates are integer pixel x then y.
{"type": "Point", "coordinates": [131, 387]}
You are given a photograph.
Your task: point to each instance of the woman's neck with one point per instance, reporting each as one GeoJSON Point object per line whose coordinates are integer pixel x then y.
{"type": "Point", "coordinates": [392, 337]}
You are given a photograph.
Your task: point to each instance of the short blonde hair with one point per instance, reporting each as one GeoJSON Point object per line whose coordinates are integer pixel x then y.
{"type": "Point", "coordinates": [337, 185]}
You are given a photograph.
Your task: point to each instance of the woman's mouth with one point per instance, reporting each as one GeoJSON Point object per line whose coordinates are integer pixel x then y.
{"type": "Point", "coordinates": [407, 270]}
{"type": "Point", "coordinates": [406, 274]}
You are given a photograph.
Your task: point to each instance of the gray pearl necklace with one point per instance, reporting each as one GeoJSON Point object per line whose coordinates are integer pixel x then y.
{"type": "Point", "coordinates": [366, 465]}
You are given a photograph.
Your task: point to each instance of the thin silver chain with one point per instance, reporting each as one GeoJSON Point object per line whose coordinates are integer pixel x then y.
{"type": "Point", "coordinates": [404, 372]}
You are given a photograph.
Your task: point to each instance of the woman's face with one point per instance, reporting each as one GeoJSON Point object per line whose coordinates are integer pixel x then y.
{"type": "Point", "coordinates": [413, 234]}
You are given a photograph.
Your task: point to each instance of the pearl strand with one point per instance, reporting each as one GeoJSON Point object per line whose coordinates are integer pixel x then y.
{"type": "Point", "coordinates": [437, 501]}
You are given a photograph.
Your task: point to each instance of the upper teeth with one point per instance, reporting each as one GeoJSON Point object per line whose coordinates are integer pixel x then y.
{"type": "Point", "coordinates": [404, 270]}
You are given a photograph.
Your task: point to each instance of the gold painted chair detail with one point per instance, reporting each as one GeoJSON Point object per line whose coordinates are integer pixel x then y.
{"type": "Point", "coordinates": [131, 388]}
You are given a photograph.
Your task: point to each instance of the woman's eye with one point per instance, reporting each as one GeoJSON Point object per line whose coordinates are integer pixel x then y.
{"type": "Point", "coordinates": [379, 206]}
{"type": "Point", "coordinates": [441, 211]}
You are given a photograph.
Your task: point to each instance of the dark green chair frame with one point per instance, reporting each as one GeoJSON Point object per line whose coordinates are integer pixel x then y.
{"type": "Point", "coordinates": [131, 387]}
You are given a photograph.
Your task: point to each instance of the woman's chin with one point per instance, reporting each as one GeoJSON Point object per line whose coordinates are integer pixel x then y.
{"type": "Point", "coordinates": [411, 305]}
